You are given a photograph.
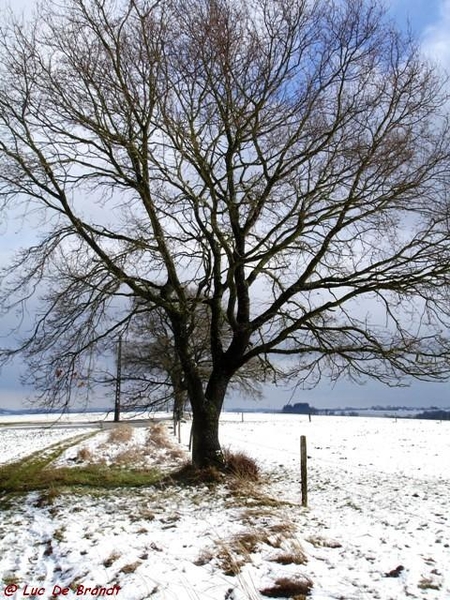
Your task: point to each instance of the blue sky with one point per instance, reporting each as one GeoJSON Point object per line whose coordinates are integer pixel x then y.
{"type": "Point", "coordinates": [430, 22]}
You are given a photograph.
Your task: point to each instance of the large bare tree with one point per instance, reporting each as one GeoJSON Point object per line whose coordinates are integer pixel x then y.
{"type": "Point", "coordinates": [287, 162]}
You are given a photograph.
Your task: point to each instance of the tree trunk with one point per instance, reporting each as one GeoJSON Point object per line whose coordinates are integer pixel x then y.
{"type": "Point", "coordinates": [206, 450]}
{"type": "Point", "coordinates": [179, 394]}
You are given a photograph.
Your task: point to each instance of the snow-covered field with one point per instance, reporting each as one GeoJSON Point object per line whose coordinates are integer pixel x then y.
{"type": "Point", "coordinates": [377, 525]}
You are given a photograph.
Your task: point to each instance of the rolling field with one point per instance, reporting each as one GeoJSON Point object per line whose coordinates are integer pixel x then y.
{"type": "Point", "coordinates": [376, 527]}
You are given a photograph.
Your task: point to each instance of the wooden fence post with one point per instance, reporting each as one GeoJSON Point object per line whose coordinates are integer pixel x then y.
{"type": "Point", "coordinates": [179, 431]}
{"type": "Point", "coordinates": [304, 470]}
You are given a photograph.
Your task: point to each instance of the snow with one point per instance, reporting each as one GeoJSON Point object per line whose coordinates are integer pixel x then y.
{"type": "Point", "coordinates": [378, 493]}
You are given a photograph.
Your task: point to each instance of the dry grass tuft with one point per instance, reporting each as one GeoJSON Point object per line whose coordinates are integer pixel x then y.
{"type": "Point", "coordinates": [157, 436]}
{"type": "Point", "coordinates": [233, 554]}
{"type": "Point", "coordinates": [120, 434]}
{"type": "Point", "coordinates": [241, 466]}
{"type": "Point", "coordinates": [227, 561]}
{"type": "Point", "coordinates": [175, 453]}
{"type": "Point", "coordinates": [188, 474]}
{"type": "Point", "coordinates": [247, 542]}
{"type": "Point", "coordinates": [131, 456]}
{"type": "Point", "coordinates": [111, 559]}
{"type": "Point", "coordinates": [130, 568]}
{"type": "Point", "coordinates": [320, 542]}
{"type": "Point", "coordinates": [289, 588]}
{"type": "Point", "coordinates": [84, 454]}
{"type": "Point", "coordinates": [230, 563]}
{"type": "Point", "coordinates": [427, 583]}
{"type": "Point", "coordinates": [48, 497]}
{"type": "Point", "coordinates": [144, 514]}
{"type": "Point", "coordinates": [295, 557]}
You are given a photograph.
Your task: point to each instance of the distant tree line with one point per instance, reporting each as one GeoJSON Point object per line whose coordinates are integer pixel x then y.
{"type": "Point", "coordinates": [300, 408]}
{"type": "Point", "coordinates": [437, 415]}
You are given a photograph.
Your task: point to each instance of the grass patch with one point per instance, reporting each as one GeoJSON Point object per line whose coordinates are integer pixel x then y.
{"type": "Point", "coordinates": [36, 473]}
{"type": "Point", "coordinates": [20, 476]}
{"type": "Point", "coordinates": [95, 475]}
{"type": "Point", "coordinates": [9, 579]}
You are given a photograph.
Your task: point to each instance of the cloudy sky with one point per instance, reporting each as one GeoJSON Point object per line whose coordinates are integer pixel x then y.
{"type": "Point", "coordinates": [430, 22]}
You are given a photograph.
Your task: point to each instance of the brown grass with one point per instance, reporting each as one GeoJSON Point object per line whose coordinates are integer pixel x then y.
{"type": "Point", "coordinates": [248, 542]}
{"type": "Point", "coordinates": [228, 561]}
{"type": "Point", "coordinates": [131, 456]}
{"type": "Point", "coordinates": [289, 588]}
{"type": "Point", "coordinates": [241, 466]}
{"type": "Point", "coordinates": [157, 436]}
{"type": "Point", "coordinates": [120, 433]}
{"type": "Point", "coordinates": [295, 557]}
{"type": "Point", "coordinates": [48, 497]}
{"type": "Point", "coordinates": [175, 453]}
{"type": "Point", "coordinates": [190, 475]}
{"type": "Point", "coordinates": [284, 527]}
{"type": "Point", "coordinates": [233, 554]}
{"type": "Point", "coordinates": [428, 584]}
{"type": "Point", "coordinates": [84, 454]}
{"type": "Point", "coordinates": [111, 559]}
{"type": "Point", "coordinates": [320, 542]}
{"type": "Point", "coordinates": [130, 568]}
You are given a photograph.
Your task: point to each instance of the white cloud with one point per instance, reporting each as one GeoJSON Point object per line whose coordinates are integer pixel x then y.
{"type": "Point", "coordinates": [436, 37]}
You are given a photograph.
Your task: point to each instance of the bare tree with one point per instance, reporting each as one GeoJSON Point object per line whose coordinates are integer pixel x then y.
{"type": "Point", "coordinates": [152, 372]}
{"type": "Point", "coordinates": [286, 162]}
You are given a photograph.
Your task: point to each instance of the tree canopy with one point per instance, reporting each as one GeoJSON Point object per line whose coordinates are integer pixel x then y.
{"type": "Point", "coordinates": [283, 164]}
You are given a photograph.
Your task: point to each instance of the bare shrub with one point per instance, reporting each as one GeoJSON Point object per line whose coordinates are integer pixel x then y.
{"type": "Point", "coordinates": [120, 434]}
{"type": "Point", "coordinates": [289, 588]}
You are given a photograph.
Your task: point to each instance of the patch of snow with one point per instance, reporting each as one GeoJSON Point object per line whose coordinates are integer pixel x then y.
{"type": "Point", "coordinates": [376, 527]}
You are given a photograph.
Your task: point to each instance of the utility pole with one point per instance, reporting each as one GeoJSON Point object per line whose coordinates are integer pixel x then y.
{"type": "Point", "coordinates": [118, 380]}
